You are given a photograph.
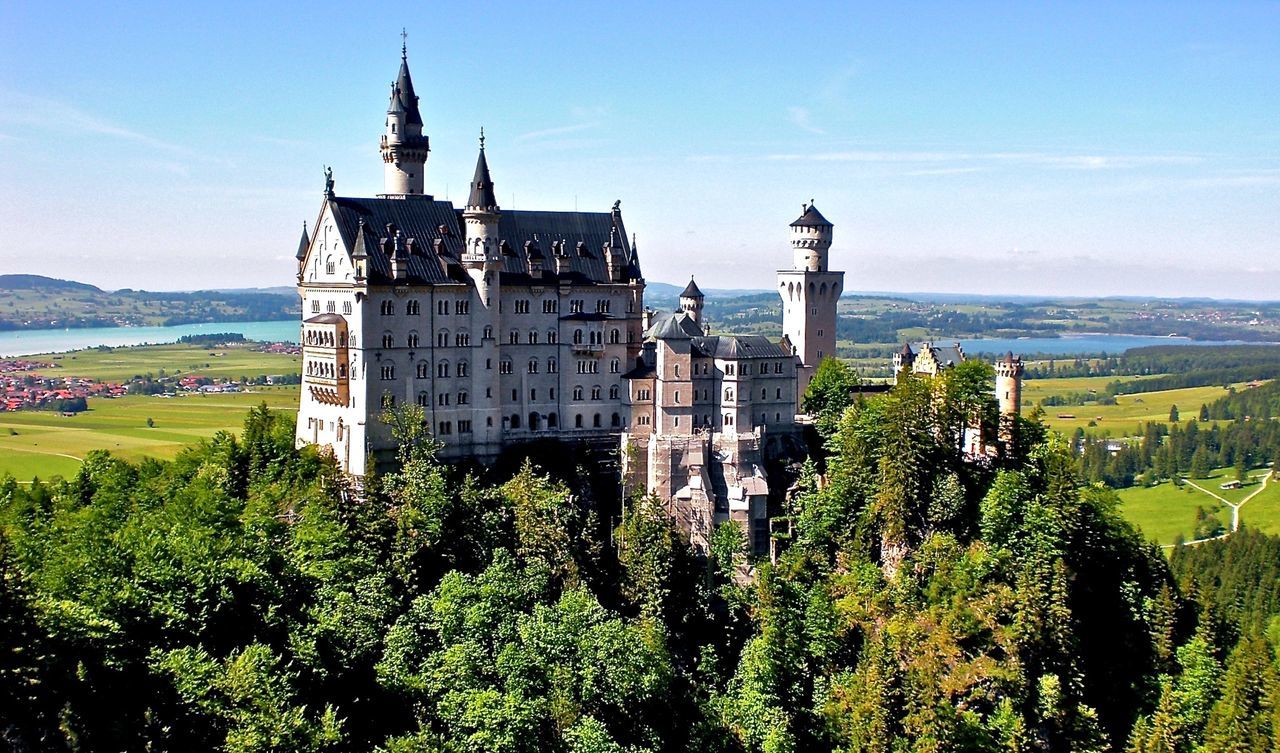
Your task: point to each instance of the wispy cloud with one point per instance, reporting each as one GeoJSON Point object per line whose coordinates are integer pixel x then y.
{"type": "Point", "coordinates": [803, 119]}
{"type": "Point", "coordinates": [1040, 159]}
{"type": "Point", "coordinates": [17, 108]}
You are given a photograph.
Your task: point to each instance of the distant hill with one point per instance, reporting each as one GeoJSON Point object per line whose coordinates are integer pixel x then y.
{"type": "Point", "coordinates": [40, 282]}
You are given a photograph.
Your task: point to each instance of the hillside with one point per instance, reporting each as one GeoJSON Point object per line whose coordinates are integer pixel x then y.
{"type": "Point", "coordinates": [40, 282]}
{"type": "Point", "coordinates": [35, 302]}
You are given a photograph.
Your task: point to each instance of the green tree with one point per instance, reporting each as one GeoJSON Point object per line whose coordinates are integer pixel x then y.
{"type": "Point", "coordinates": [1173, 414]}
{"type": "Point", "coordinates": [829, 393]}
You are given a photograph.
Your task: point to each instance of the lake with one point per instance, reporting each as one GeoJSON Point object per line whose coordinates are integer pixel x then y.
{"type": "Point", "coordinates": [28, 342]}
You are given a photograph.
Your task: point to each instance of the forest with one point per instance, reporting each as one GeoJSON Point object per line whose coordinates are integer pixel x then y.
{"type": "Point", "coordinates": [244, 597]}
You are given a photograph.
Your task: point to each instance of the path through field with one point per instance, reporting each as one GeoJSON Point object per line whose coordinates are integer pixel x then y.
{"type": "Point", "coordinates": [1235, 509]}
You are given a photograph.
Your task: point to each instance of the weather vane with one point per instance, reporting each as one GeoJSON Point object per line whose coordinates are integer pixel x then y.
{"type": "Point", "coordinates": [404, 42]}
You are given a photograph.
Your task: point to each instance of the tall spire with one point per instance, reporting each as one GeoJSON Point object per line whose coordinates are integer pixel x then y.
{"type": "Point", "coordinates": [403, 88]}
{"type": "Point", "coordinates": [482, 196]}
{"type": "Point", "coordinates": [303, 244]}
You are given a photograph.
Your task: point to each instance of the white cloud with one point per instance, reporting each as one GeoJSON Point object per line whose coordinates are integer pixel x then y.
{"type": "Point", "coordinates": [803, 119]}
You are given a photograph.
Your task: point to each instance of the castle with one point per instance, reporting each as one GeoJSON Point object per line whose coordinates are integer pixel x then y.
{"type": "Point", "coordinates": [508, 326]}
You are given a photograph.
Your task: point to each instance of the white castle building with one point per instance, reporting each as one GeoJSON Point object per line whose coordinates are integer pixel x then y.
{"type": "Point", "coordinates": [508, 326]}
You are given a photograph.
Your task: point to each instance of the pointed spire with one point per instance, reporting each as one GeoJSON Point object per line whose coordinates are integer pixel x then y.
{"type": "Point", "coordinates": [691, 290]}
{"type": "Point", "coordinates": [402, 90]}
{"type": "Point", "coordinates": [305, 243]}
{"type": "Point", "coordinates": [482, 196]}
{"type": "Point", "coordinates": [360, 251]}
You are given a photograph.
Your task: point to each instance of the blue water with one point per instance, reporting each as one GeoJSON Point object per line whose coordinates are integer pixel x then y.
{"type": "Point", "coordinates": [33, 341]}
{"type": "Point", "coordinates": [29, 342]}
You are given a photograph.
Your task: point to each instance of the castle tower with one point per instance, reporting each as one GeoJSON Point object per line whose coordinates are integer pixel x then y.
{"type": "Point", "coordinates": [691, 301]}
{"type": "Point", "coordinates": [482, 258]}
{"type": "Point", "coordinates": [809, 294]}
{"type": "Point", "coordinates": [404, 148]}
{"type": "Point", "coordinates": [1009, 394]}
{"type": "Point", "coordinates": [903, 360]}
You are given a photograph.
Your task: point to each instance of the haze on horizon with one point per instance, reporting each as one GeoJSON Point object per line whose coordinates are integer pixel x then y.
{"type": "Point", "coordinates": [1095, 149]}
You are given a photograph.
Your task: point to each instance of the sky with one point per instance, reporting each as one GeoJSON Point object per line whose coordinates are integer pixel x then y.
{"type": "Point", "coordinates": [1041, 148]}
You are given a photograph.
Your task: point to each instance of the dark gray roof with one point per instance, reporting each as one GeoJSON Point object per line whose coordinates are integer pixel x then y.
{"type": "Point", "coordinates": [906, 351]}
{"type": "Point", "coordinates": [436, 253]}
{"type": "Point", "coordinates": [303, 244]}
{"type": "Point", "coordinates": [811, 218]}
{"type": "Point", "coordinates": [691, 290]}
{"type": "Point", "coordinates": [943, 354]}
{"type": "Point", "coordinates": [678, 326]}
{"type": "Point", "coordinates": [482, 186]}
{"type": "Point", "coordinates": [403, 91]}
{"type": "Point", "coordinates": [738, 347]}
{"type": "Point", "coordinates": [324, 319]}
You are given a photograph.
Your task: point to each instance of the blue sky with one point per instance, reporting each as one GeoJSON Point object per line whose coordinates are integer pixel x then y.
{"type": "Point", "coordinates": [1081, 148]}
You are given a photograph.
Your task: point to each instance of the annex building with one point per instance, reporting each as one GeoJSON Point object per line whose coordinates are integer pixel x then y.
{"type": "Point", "coordinates": [509, 326]}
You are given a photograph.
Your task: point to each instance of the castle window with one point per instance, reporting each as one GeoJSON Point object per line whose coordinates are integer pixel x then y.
{"type": "Point", "coordinates": [595, 393]}
{"type": "Point", "coordinates": [597, 338]}
{"type": "Point", "coordinates": [388, 372]}
{"type": "Point", "coordinates": [550, 306]}
{"type": "Point", "coordinates": [728, 396]}
{"type": "Point", "coordinates": [442, 308]}
{"type": "Point", "coordinates": [346, 307]}
{"type": "Point", "coordinates": [675, 421]}
{"type": "Point", "coordinates": [764, 394]}
{"type": "Point", "coordinates": [615, 366]}
{"type": "Point", "coordinates": [533, 366]}
{"type": "Point", "coordinates": [442, 369]}
{"type": "Point", "coordinates": [463, 398]}
{"type": "Point", "coordinates": [515, 395]}
{"type": "Point", "coordinates": [577, 421]}
{"type": "Point", "coordinates": [575, 306]}
{"type": "Point", "coordinates": [412, 340]}
{"type": "Point", "coordinates": [615, 421]}
{"type": "Point", "coordinates": [353, 340]}
{"type": "Point", "coordinates": [462, 307]}
{"type": "Point", "coordinates": [615, 337]}
{"type": "Point", "coordinates": [514, 337]}
{"type": "Point", "coordinates": [595, 420]}
{"type": "Point", "coordinates": [442, 338]}
{"type": "Point", "coordinates": [330, 307]}
{"type": "Point", "coordinates": [462, 340]}
{"type": "Point", "coordinates": [315, 306]}
{"type": "Point", "coordinates": [552, 337]}
{"type": "Point", "coordinates": [423, 370]}
{"type": "Point", "coordinates": [677, 370]}
{"type": "Point", "coordinates": [412, 308]}
{"type": "Point", "coordinates": [778, 394]}
{"type": "Point", "coordinates": [533, 337]}
{"type": "Point", "coordinates": [552, 366]}
{"type": "Point", "coordinates": [462, 368]}
{"type": "Point", "coordinates": [777, 417]}
{"type": "Point", "coordinates": [388, 308]}
{"type": "Point", "coordinates": [728, 419]}
{"type": "Point", "coordinates": [551, 393]}
{"type": "Point", "coordinates": [819, 333]}
{"type": "Point", "coordinates": [533, 395]}
{"type": "Point", "coordinates": [577, 337]}
{"type": "Point", "coordinates": [577, 393]}
{"type": "Point", "coordinates": [442, 398]}
{"type": "Point", "coordinates": [522, 306]}
{"type": "Point", "coordinates": [553, 421]}
{"type": "Point", "coordinates": [424, 399]}
{"type": "Point", "coordinates": [504, 366]}
{"type": "Point", "coordinates": [613, 392]}
{"type": "Point", "coordinates": [388, 341]}
{"type": "Point", "coordinates": [446, 427]}
{"type": "Point", "coordinates": [515, 420]}
{"type": "Point", "coordinates": [676, 398]}
{"type": "Point", "coordinates": [464, 427]}
{"type": "Point", "coordinates": [488, 332]}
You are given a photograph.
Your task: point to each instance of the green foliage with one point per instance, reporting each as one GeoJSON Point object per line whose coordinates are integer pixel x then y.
{"type": "Point", "coordinates": [829, 393]}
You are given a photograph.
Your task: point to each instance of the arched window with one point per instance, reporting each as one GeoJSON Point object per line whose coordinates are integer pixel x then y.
{"type": "Point", "coordinates": [442, 369]}
{"type": "Point", "coordinates": [595, 392]}
{"type": "Point", "coordinates": [615, 366]}
{"type": "Point", "coordinates": [552, 366]}
{"type": "Point", "coordinates": [442, 338]}
{"type": "Point", "coordinates": [388, 308]}
{"type": "Point", "coordinates": [488, 332]}
{"type": "Point", "coordinates": [513, 337]}
{"type": "Point", "coordinates": [388, 341]}
{"type": "Point", "coordinates": [463, 398]}
{"type": "Point", "coordinates": [515, 420]}
{"type": "Point", "coordinates": [677, 368]}
{"type": "Point", "coordinates": [388, 372]}
{"type": "Point", "coordinates": [764, 393]}
{"type": "Point", "coordinates": [533, 337]}
{"type": "Point", "coordinates": [613, 392]}
{"type": "Point", "coordinates": [462, 368]}
{"type": "Point", "coordinates": [615, 337]}
{"type": "Point", "coordinates": [595, 421]}
{"type": "Point", "coordinates": [423, 370]}
{"type": "Point", "coordinates": [411, 340]}
{"type": "Point", "coordinates": [533, 422]}
{"type": "Point", "coordinates": [552, 337]}
{"type": "Point", "coordinates": [615, 421]}
{"type": "Point", "coordinates": [577, 421]}
{"type": "Point", "coordinates": [577, 393]}
{"type": "Point", "coordinates": [552, 421]}
{"type": "Point", "coordinates": [577, 337]}
{"type": "Point", "coordinates": [533, 366]}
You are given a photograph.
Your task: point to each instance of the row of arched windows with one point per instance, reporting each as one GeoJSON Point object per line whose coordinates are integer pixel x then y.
{"type": "Point", "coordinates": [536, 421]}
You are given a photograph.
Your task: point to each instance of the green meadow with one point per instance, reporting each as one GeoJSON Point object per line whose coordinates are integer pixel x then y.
{"type": "Point", "coordinates": [1165, 513]}
{"type": "Point", "coordinates": [1120, 420]}
{"type": "Point", "coordinates": [121, 364]}
{"type": "Point", "coordinates": [46, 443]}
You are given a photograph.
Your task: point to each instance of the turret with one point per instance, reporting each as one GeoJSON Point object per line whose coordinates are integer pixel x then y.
{"type": "Point", "coordinates": [483, 261]}
{"type": "Point", "coordinates": [691, 301]}
{"type": "Point", "coordinates": [903, 360]}
{"type": "Point", "coordinates": [404, 147]}
{"type": "Point", "coordinates": [810, 240]}
{"type": "Point", "coordinates": [1009, 394]}
{"type": "Point", "coordinates": [481, 216]}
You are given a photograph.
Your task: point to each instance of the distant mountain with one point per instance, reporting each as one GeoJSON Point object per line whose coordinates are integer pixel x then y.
{"type": "Point", "coordinates": [40, 282]}
{"type": "Point", "coordinates": [664, 290]}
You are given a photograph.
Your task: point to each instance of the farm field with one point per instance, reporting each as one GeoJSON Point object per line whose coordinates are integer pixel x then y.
{"type": "Point", "coordinates": [1121, 419]}
{"type": "Point", "coordinates": [1166, 512]}
{"type": "Point", "coordinates": [120, 364]}
{"type": "Point", "coordinates": [46, 443]}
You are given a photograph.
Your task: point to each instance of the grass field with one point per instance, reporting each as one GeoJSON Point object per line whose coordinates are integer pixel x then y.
{"type": "Point", "coordinates": [120, 364]}
{"type": "Point", "coordinates": [48, 443]}
{"type": "Point", "coordinates": [1121, 419]}
{"type": "Point", "coordinates": [1166, 512]}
